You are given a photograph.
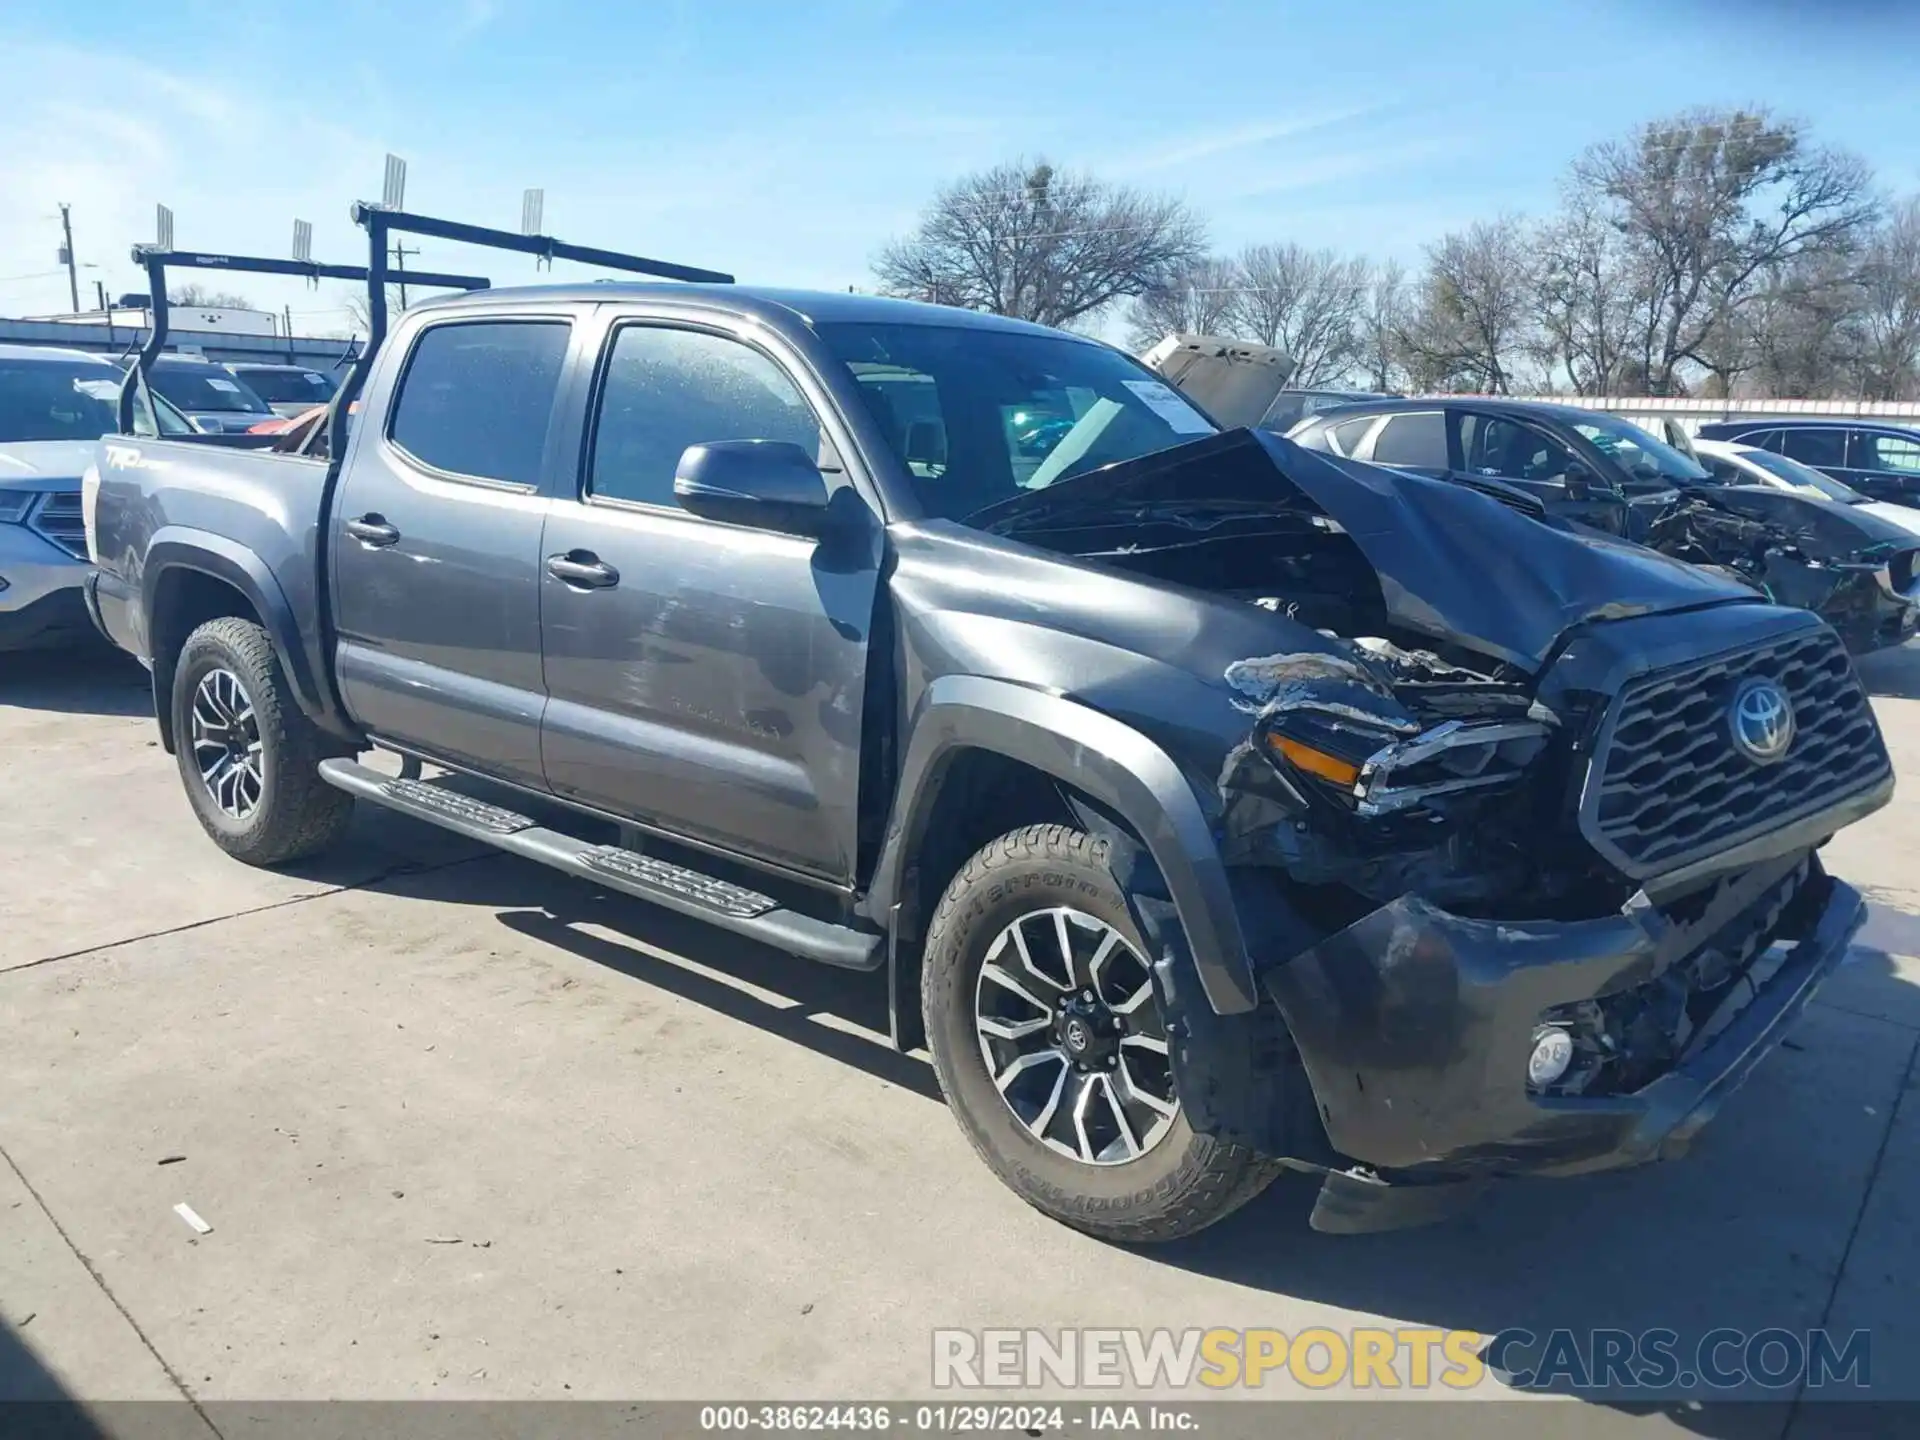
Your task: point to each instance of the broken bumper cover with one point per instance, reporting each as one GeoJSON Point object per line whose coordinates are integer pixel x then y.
{"type": "Point", "coordinates": [1415, 1025]}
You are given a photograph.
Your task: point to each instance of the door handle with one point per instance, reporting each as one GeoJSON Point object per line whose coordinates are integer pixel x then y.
{"type": "Point", "coordinates": [372, 531]}
{"type": "Point", "coordinates": [584, 569]}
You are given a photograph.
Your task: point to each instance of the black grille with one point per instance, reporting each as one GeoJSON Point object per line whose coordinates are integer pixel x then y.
{"type": "Point", "coordinates": [1667, 785]}
{"type": "Point", "coordinates": [60, 520]}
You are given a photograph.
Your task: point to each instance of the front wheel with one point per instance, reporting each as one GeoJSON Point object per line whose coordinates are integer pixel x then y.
{"type": "Point", "coordinates": [249, 756]}
{"type": "Point", "coordinates": [1049, 1046]}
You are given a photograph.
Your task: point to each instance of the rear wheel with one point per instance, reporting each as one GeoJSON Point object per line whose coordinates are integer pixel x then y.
{"type": "Point", "coordinates": [249, 757]}
{"type": "Point", "coordinates": [1051, 1051]}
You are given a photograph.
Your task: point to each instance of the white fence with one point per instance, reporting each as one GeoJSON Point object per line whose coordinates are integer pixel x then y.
{"type": "Point", "coordinates": [1692, 413]}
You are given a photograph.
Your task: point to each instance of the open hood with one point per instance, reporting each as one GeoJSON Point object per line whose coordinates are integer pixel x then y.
{"type": "Point", "coordinates": [1453, 563]}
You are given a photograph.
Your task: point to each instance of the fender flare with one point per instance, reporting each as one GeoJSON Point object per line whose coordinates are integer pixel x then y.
{"type": "Point", "coordinates": [1106, 759]}
{"type": "Point", "coordinates": [177, 547]}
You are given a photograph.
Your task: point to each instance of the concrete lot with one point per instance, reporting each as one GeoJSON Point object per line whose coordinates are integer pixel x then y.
{"type": "Point", "coordinates": [466, 1128]}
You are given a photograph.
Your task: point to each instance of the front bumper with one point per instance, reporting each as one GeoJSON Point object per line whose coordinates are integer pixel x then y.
{"type": "Point", "coordinates": [40, 602]}
{"type": "Point", "coordinates": [1414, 1027]}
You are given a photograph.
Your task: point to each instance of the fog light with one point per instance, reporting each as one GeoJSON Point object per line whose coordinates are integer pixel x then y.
{"type": "Point", "coordinates": [1552, 1054]}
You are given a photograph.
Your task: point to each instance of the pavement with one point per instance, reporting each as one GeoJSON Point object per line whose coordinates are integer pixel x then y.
{"type": "Point", "coordinates": [464, 1128]}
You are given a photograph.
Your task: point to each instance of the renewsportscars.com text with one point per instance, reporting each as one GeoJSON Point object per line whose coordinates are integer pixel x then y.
{"type": "Point", "coordinates": [1413, 1358]}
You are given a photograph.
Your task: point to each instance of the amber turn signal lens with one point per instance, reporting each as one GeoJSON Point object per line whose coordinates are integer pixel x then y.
{"type": "Point", "coordinates": [1316, 762]}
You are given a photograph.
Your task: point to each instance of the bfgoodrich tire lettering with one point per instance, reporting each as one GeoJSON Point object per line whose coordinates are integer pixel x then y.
{"type": "Point", "coordinates": [292, 812]}
{"type": "Point", "coordinates": [1183, 1181]}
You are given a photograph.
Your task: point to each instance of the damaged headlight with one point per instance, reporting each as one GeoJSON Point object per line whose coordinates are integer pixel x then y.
{"type": "Point", "coordinates": [1900, 576]}
{"type": "Point", "coordinates": [1384, 773]}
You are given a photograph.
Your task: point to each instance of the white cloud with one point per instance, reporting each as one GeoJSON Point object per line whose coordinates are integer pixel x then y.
{"type": "Point", "coordinates": [1211, 144]}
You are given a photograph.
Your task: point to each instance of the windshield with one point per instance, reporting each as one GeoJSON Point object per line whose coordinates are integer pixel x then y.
{"type": "Point", "coordinates": [288, 387]}
{"type": "Point", "coordinates": [50, 400]}
{"type": "Point", "coordinates": [978, 416]}
{"type": "Point", "coordinates": [1803, 477]}
{"type": "Point", "coordinates": [205, 387]}
{"type": "Point", "coordinates": [1638, 453]}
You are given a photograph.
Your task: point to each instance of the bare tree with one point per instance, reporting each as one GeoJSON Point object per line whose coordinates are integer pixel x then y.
{"type": "Point", "coordinates": [1196, 301]}
{"type": "Point", "coordinates": [360, 311]}
{"type": "Point", "coordinates": [1709, 201]}
{"type": "Point", "coordinates": [1042, 244]}
{"type": "Point", "coordinates": [199, 296]}
{"type": "Point", "coordinates": [1309, 303]}
{"type": "Point", "coordinates": [1469, 327]}
{"type": "Point", "coordinates": [1796, 336]}
{"type": "Point", "coordinates": [1381, 323]}
{"type": "Point", "coordinates": [1887, 325]}
{"type": "Point", "coordinates": [1587, 288]}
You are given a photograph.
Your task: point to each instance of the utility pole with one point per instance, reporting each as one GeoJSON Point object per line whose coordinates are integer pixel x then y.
{"type": "Point", "coordinates": [400, 253]}
{"type": "Point", "coordinates": [66, 254]}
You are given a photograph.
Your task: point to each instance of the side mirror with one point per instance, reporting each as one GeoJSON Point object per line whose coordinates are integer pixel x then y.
{"type": "Point", "coordinates": [768, 484]}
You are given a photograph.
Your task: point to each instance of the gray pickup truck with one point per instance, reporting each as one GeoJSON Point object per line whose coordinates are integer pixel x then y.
{"type": "Point", "coordinates": [1214, 807]}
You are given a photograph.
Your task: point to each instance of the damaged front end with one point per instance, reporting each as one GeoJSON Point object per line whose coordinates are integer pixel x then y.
{"type": "Point", "coordinates": [1520, 827]}
{"type": "Point", "coordinates": [1566, 915]}
{"type": "Point", "coordinates": [1857, 572]}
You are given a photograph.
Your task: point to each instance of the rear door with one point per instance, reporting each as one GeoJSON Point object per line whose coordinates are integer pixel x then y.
{"type": "Point", "coordinates": [436, 573]}
{"type": "Point", "coordinates": [707, 680]}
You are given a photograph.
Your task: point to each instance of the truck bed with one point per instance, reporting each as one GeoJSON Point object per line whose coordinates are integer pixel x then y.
{"type": "Point", "coordinates": [256, 512]}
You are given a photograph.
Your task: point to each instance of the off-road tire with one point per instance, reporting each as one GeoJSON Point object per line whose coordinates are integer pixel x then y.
{"type": "Point", "coordinates": [298, 813]}
{"type": "Point", "coordinates": [1181, 1185]}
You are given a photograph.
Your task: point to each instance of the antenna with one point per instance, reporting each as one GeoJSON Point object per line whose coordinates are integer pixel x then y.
{"type": "Point", "coordinates": [303, 240]}
{"type": "Point", "coordinates": [532, 204]}
{"type": "Point", "coordinates": [163, 227]}
{"type": "Point", "coordinates": [393, 194]}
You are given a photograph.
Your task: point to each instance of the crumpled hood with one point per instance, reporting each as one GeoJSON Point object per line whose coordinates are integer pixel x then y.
{"type": "Point", "coordinates": [1820, 528]}
{"type": "Point", "coordinates": [24, 461]}
{"type": "Point", "coordinates": [1453, 563]}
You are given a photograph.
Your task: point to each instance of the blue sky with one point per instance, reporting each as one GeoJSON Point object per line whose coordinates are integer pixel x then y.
{"type": "Point", "coordinates": [786, 142]}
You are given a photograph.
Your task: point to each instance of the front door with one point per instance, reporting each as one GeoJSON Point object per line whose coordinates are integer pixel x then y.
{"type": "Point", "coordinates": [1505, 448]}
{"type": "Point", "coordinates": [706, 679]}
{"type": "Point", "coordinates": [436, 552]}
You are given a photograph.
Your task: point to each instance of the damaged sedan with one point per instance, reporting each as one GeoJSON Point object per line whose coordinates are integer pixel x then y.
{"type": "Point", "coordinates": [1858, 572]}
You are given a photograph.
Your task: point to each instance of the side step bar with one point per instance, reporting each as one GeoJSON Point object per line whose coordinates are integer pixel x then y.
{"type": "Point", "coordinates": [674, 887]}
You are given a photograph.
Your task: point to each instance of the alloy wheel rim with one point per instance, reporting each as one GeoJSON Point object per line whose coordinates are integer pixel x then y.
{"type": "Point", "coordinates": [1072, 1040]}
{"type": "Point", "coordinates": [226, 744]}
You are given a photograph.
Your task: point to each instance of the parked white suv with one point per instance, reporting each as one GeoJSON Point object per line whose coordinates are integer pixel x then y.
{"type": "Point", "coordinates": [54, 407]}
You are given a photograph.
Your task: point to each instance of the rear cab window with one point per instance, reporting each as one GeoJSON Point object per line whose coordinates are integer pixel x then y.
{"type": "Point", "coordinates": [476, 398]}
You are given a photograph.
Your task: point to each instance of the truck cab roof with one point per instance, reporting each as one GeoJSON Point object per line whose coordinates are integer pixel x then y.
{"type": "Point", "coordinates": [770, 302]}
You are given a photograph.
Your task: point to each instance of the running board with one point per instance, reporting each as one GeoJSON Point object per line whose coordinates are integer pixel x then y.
{"type": "Point", "coordinates": [674, 887]}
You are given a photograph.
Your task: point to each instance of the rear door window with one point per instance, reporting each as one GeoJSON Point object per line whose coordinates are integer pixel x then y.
{"type": "Point", "coordinates": [1418, 439]}
{"type": "Point", "coordinates": [1822, 449]}
{"type": "Point", "coordinates": [477, 398]}
{"type": "Point", "coordinates": [1877, 450]}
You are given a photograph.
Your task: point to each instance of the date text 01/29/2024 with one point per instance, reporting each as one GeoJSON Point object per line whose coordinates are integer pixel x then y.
{"type": "Point", "coordinates": [961, 1419]}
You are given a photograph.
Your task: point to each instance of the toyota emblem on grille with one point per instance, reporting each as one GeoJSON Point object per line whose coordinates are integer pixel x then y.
{"type": "Point", "coordinates": [1761, 719]}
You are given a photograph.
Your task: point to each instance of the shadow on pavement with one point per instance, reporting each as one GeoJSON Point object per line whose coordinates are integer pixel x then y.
{"type": "Point", "coordinates": [1892, 674]}
{"type": "Point", "coordinates": [87, 679]}
{"type": "Point", "coordinates": [33, 1402]}
{"type": "Point", "coordinates": [1630, 1251]}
